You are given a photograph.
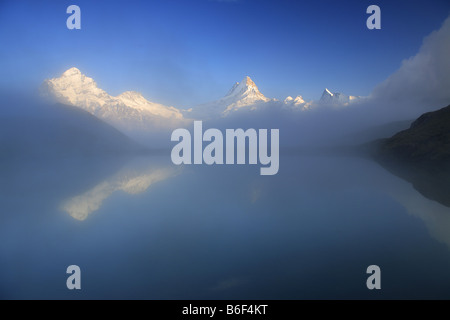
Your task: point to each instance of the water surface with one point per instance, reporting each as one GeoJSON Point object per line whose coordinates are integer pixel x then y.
{"type": "Point", "coordinates": [145, 228]}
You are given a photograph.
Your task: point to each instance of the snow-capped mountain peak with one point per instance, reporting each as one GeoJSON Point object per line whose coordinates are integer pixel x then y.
{"type": "Point", "coordinates": [289, 101]}
{"type": "Point", "coordinates": [128, 111]}
{"type": "Point", "coordinates": [336, 98]}
{"type": "Point", "coordinates": [249, 83]}
{"type": "Point", "coordinates": [298, 100]}
{"type": "Point", "coordinates": [75, 88]}
{"type": "Point", "coordinates": [327, 94]}
{"type": "Point", "coordinates": [297, 103]}
{"type": "Point", "coordinates": [245, 87]}
{"type": "Point", "coordinates": [242, 94]}
{"type": "Point", "coordinates": [74, 77]}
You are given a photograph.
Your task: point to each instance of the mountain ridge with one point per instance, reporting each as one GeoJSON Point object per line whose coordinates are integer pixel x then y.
{"type": "Point", "coordinates": [131, 112]}
{"type": "Point", "coordinates": [128, 111]}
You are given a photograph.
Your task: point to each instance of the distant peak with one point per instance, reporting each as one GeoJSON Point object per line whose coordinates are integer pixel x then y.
{"type": "Point", "coordinates": [336, 98]}
{"type": "Point", "coordinates": [326, 91]}
{"type": "Point", "coordinates": [74, 80]}
{"type": "Point", "coordinates": [246, 85]}
{"type": "Point", "coordinates": [71, 72]}
{"type": "Point", "coordinates": [298, 100]}
{"type": "Point", "coordinates": [248, 82]}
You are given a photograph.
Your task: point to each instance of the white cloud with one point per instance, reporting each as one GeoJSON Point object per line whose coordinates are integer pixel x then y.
{"type": "Point", "coordinates": [422, 83]}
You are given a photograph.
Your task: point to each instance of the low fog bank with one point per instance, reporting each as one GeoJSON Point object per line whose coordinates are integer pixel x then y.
{"type": "Point", "coordinates": [32, 129]}
{"type": "Point", "coordinates": [54, 151]}
{"type": "Point", "coordinates": [320, 127]}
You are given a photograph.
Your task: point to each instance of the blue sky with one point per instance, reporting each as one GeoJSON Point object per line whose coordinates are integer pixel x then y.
{"type": "Point", "coordinates": [187, 52]}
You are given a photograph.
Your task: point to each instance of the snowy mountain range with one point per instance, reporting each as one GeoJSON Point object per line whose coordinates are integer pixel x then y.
{"type": "Point", "coordinates": [128, 111]}
{"type": "Point", "coordinates": [243, 95]}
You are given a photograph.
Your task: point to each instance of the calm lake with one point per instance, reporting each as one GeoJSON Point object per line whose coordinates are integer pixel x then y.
{"type": "Point", "coordinates": [144, 228]}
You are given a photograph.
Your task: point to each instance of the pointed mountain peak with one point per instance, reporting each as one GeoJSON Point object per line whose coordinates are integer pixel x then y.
{"type": "Point", "coordinates": [299, 99]}
{"type": "Point", "coordinates": [242, 94]}
{"type": "Point", "coordinates": [288, 99]}
{"type": "Point", "coordinates": [74, 77]}
{"type": "Point", "coordinates": [72, 87]}
{"type": "Point", "coordinates": [245, 86]}
{"type": "Point", "coordinates": [336, 98]}
{"type": "Point", "coordinates": [248, 82]}
{"type": "Point", "coordinates": [327, 92]}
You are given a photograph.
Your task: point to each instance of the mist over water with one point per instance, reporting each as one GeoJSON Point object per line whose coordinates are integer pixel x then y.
{"type": "Point", "coordinates": [144, 228]}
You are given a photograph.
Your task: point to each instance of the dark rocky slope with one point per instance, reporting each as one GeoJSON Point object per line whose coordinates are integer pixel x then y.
{"type": "Point", "coordinates": [421, 155]}
{"type": "Point", "coordinates": [427, 140]}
